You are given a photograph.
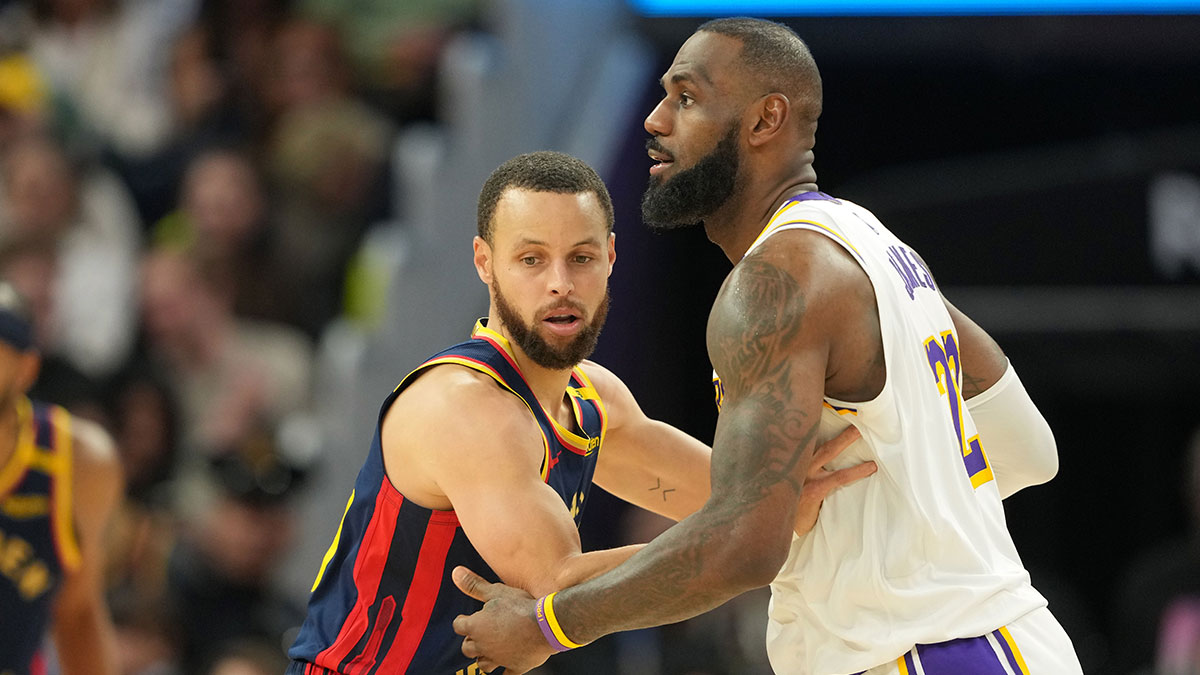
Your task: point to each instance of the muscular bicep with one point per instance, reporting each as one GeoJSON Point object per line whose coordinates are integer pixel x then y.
{"type": "Point", "coordinates": [488, 469]}
{"type": "Point", "coordinates": [519, 524]}
{"type": "Point", "coordinates": [768, 344]}
{"type": "Point", "coordinates": [983, 362]}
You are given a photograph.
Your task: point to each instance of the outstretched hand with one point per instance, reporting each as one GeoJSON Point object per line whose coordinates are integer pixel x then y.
{"type": "Point", "coordinates": [505, 632]}
{"type": "Point", "coordinates": [821, 481]}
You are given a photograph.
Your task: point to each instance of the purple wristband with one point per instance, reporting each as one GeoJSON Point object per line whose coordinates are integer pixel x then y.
{"type": "Point", "coordinates": [544, 624]}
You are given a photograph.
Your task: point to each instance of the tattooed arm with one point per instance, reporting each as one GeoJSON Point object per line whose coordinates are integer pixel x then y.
{"type": "Point", "coordinates": [769, 338]}
{"type": "Point", "coordinates": [772, 360]}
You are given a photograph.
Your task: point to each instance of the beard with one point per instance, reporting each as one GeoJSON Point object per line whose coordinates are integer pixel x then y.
{"type": "Point", "coordinates": [538, 349]}
{"type": "Point", "coordinates": [695, 193]}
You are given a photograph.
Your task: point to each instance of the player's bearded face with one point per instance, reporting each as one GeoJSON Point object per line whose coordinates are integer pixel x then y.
{"type": "Point", "coordinates": [552, 353]}
{"type": "Point", "coordinates": [688, 197]}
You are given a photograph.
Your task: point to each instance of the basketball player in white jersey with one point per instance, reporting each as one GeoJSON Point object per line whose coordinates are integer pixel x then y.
{"type": "Point", "coordinates": [826, 320]}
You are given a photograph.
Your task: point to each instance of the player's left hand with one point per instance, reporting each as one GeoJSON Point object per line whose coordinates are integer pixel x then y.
{"type": "Point", "coordinates": [505, 632]}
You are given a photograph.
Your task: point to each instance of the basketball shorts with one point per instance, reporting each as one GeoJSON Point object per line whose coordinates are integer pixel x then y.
{"type": "Point", "coordinates": [1035, 644]}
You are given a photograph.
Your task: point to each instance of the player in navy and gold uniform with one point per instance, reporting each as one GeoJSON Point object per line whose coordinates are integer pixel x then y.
{"type": "Point", "coordinates": [59, 482]}
{"type": "Point", "coordinates": [483, 456]}
{"type": "Point", "coordinates": [386, 581]}
{"type": "Point", "coordinates": [37, 537]}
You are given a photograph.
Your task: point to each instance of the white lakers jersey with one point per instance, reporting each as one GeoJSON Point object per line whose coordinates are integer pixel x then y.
{"type": "Point", "coordinates": [919, 552]}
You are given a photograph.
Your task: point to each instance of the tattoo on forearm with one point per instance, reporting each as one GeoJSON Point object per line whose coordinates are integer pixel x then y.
{"type": "Point", "coordinates": [972, 386]}
{"type": "Point", "coordinates": [659, 486]}
{"type": "Point", "coordinates": [762, 439]}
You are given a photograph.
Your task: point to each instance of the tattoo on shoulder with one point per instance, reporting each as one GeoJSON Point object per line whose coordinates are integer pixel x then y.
{"type": "Point", "coordinates": [761, 317]}
{"type": "Point", "coordinates": [750, 336]}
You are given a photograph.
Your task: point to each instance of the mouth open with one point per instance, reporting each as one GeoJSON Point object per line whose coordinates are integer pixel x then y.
{"type": "Point", "coordinates": [563, 322]}
{"type": "Point", "coordinates": [662, 161]}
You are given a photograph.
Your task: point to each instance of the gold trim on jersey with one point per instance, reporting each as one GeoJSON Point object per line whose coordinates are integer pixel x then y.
{"type": "Point", "coordinates": [63, 491]}
{"type": "Point", "coordinates": [56, 461]}
{"type": "Point", "coordinates": [337, 537]}
{"type": "Point", "coordinates": [487, 370]}
{"type": "Point", "coordinates": [584, 444]}
{"type": "Point", "coordinates": [22, 456]}
{"type": "Point", "coordinates": [773, 226]}
{"type": "Point", "coordinates": [588, 393]}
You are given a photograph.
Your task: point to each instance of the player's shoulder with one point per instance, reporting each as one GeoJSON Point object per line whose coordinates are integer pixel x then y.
{"type": "Point", "coordinates": [616, 396]}
{"type": "Point", "coordinates": [449, 399]}
{"type": "Point", "coordinates": [803, 262]}
{"type": "Point", "coordinates": [96, 467]}
{"type": "Point", "coordinates": [94, 447]}
{"type": "Point", "coordinates": [601, 378]}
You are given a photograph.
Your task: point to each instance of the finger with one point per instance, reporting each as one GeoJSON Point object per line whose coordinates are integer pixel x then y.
{"type": "Point", "coordinates": [830, 449]}
{"type": "Point", "coordinates": [843, 477]}
{"type": "Point", "coordinates": [462, 624]}
{"type": "Point", "coordinates": [472, 584]}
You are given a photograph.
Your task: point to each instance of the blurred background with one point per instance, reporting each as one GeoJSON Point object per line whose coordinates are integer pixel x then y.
{"type": "Point", "coordinates": [241, 222]}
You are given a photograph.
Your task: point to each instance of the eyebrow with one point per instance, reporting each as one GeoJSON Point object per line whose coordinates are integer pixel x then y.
{"type": "Point", "coordinates": [525, 241]}
{"type": "Point", "coordinates": [686, 76]}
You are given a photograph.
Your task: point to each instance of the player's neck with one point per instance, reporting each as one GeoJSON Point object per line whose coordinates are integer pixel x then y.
{"type": "Point", "coordinates": [736, 225]}
{"type": "Point", "coordinates": [549, 385]}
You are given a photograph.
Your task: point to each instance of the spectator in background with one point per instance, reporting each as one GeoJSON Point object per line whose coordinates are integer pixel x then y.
{"type": "Point", "coordinates": [205, 115]}
{"type": "Point", "coordinates": [148, 634]}
{"type": "Point", "coordinates": [84, 219]}
{"type": "Point", "coordinates": [326, 159]}
{"type": "Point", "coordinates": [230, 374]}
{"type": "Point", "coordinates": [395, 46]}
{"type": "Point", "coordinates": [103, 61]}
{"type": "Point", "coordinates": [220, 574]}
{"type": "Point", "coordinates": [143, 418]}
{"type": "Point", "coordinates": [1158, 602]}
{"type": "Point", "coordinates": [249, 657]}
{"type": "Point", "coordinates": [223, 221]}
{"type": "Point", "coordinates": [23, 95]}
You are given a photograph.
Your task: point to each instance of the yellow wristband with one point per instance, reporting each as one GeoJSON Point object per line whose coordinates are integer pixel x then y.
{"type": "Point", "coordinates": [553, 621]}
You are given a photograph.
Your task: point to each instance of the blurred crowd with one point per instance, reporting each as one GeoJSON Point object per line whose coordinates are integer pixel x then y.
{"type": "Point", "coordinates": [183, 188]}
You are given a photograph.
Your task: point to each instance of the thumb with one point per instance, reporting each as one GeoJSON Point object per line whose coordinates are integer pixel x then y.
{"type": "Point", "coordinates": [472, 584]}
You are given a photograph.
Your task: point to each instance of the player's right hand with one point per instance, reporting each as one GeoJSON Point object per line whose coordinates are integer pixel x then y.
{"type": "Point", "coordinates": [821, 481]}
{"type": "Point", "coordinates": [505, 632]}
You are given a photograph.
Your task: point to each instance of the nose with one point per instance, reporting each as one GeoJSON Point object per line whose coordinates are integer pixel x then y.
{"type": "Point", "coordinates": [657, 122]}
{"type": "Point", "coordinates": [559, 279]}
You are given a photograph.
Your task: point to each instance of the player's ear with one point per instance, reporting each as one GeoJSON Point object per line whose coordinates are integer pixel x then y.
{"type": "Point", "coordinates": [483, 260]}
{"type": "Point", "coordinates": [612, 251]}
{"type": "Point", "coordinates": [770, 114]}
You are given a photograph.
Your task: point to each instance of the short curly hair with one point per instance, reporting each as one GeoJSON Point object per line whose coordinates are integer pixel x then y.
{"type": "Point", "coordinates": [543, 171]}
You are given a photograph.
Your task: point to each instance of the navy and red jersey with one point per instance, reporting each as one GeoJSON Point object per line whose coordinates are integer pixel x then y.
{"type": "Point", "coordinates": [383, 600]}
{"type": "Point", "coordinates": [38, 543]}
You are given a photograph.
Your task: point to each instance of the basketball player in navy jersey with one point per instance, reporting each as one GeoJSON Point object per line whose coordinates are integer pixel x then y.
{"type": "Point", "coordinates": [484, 455]}
{"type": "Point", "coordinates": [827, 321]}
{"type": "Point", "coordinates": [60, 481]}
